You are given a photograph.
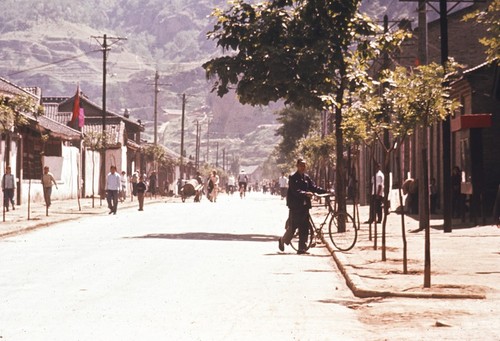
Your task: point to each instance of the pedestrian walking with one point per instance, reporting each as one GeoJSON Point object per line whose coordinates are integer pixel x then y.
{"type": "Point", "coordinates": [124, 185]}
{"type": "Point", "coordinates": [377, 185]}
{"type": "Point", "coordinates": [134, 180]}
{"type": "Point", "coordinates": [112, 188]}
{"type": "Point", "coordinates": [8, 187]}
{"type": "Point", "coordinates": [213, 186]}
{"type": "Point", "coordinates": [300, 191]}
{"type": "Point", "coordinates": [456, 193]}
{"type": "Point", "coordinates": [47, 182]}
{"type": "Point", "coordinates": [283, 183]}
{"type": "Point", "coordinates": [141, 190]}
{"type": "Point", "coordinates": [152, 184]}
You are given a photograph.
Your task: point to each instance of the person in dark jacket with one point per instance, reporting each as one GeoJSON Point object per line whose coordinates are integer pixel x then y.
{"type": "Point", "coordinates": [298, 199]}
{"type": "Point", "coordinates": [141, 189]}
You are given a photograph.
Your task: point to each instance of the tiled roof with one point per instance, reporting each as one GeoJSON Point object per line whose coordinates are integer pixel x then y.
{"type": "Point", "coordinates": [108, 113]}
{"type": "Point", "coordinates": [55, 129]}
{"type": "Point", "coordinates": [114, 127]}
{"type": "Point", "coordinates": [7, 87]}
{"type": "Point", "coordinates": [168, 152]}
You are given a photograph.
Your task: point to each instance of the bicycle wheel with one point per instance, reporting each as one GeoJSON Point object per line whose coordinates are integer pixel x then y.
{"type": "Point", "coordinates": [343, 232]}
{"type": "Point", "coordinates": [294, 243]}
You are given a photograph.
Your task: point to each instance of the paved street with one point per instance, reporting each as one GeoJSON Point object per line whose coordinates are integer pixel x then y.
{"type": "Point", "coordinates": [212, 271]}
{"type": "Point", "coordinates": [192, 271]}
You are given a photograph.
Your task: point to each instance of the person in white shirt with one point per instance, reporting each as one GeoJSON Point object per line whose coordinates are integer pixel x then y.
{"type": "Point", "coordinates": [231, 182]}
{"type": "Point", "coordinates": [8, 187]}
{"type": "Point", "coordinates": [47, 181]}
{"type": "Point", "coordinates": [124, 185]}
{"type": "Point", "coordinates": [377, 196]}
{"type": "Point", "coordinates": [213, 185]}
{"type": "Point", "coordinates": [283, 183]}
{"type": "Point", "coordinates": [113, 184]}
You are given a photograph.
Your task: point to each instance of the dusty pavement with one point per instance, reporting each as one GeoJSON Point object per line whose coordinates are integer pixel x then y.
{"type": "Point", "coordinates": [465, 263]}
{"type": "Point", "coordinates": [463, 301]}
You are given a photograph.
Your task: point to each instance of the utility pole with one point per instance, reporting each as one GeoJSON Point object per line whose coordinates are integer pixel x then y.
{"type": "Point", "coordinates": [217, 156]}
{"type": "Point", "coordinates": [197, 144]}
{"type": "Point", "coordinates": [157, 90]}
{"type": "Point", "coordinates": [446, 125]}
{"type": "Point", "coordinates": [157, 76]}
{"type": "Point", "coordinates": [105, 48]}
{"type": "Point", "coordinates": [208, 138]}
{"type": "Point", "coordinates": [182, 134]}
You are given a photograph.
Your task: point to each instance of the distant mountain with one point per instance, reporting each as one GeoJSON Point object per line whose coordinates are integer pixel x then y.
{"type": "Point", "coordinates": [55, 44]}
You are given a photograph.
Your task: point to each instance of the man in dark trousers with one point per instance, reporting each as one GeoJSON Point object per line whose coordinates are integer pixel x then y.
{"type": "Point", "coordinates": [298, 199]}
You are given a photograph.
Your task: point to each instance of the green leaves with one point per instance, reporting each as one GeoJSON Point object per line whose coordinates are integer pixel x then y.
{"type": "Point", "coordinates": [412, 98]}
{"type": "Point", "coordinates": [490, 18]}
{"type": "Point", "coordinates": [12, 108]}
{"type": "Point", "coordinates": [284, 49]}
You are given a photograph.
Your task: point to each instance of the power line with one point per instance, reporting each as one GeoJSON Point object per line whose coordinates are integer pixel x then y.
{"type": "Point", "coordinates": [53, 63]}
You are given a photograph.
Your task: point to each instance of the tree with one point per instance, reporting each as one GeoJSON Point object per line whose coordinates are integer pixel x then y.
{"type": "Point", "coordinates": [489, 17]}
{"type": "Point", "coordinates": [13, 111]}
{"type": "Point", "coordinates": [297, 50]}
{"type": "Point", "coordinates": [295, 124]}
{"type": "Point", "coordinates": [319, 151]}
{"type": "Point", "coordinates": [96, 141]}
{"type": "Point", "coordinates": [157, 155]}
{"type": "Point", "coordinates": [414, 98]}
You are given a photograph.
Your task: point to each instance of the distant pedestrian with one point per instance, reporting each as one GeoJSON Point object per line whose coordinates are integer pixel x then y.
{"type": "Point", "coordinates": [141, 189]}
{"type": "Point", "coordinates": [231, 182]}
{"type": "Point", "coordinates": [134, 180]}
{"type": "Point", "coordinates": [213, 186]}
{"type": "Point", "coordinates": [8, 187]}
{"type": "Point", "coordinates": [283, 183]}
{"type": "Point", "coordinates": [433, 191]}
{"type": "Point", "coordinates": [47, 181]}
{"type": "Point", "coordinates": [456, 193]}
{"type": "Point", "coordinates": [152, 183]}
{"type": "Point", "coordinates": [112, 188]}
{"type": "Point", "coordinates": [124, 185]}
{"type": "Point", "coordinates": [377, 185]}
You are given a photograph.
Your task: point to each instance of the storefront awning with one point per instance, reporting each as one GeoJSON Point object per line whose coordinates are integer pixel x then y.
{"type": "Point", "coordinates": [471, 121]}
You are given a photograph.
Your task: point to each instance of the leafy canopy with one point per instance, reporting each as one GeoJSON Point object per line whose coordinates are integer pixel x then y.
{"type": "Point", "coordinates": [12, 109]}
{"type": "Point", "coordinates": [490, 17]}
{"type": "Point", "coordinates": [417, 97]}
{"type": "Point", "coordinates": [285, 49]}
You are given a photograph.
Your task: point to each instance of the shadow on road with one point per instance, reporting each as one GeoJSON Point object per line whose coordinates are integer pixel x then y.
{"type": "Point", "coordinates": [210, 236]}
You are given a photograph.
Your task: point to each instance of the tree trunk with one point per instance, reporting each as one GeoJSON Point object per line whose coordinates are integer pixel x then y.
{"type": "Point", "coordinates": [402, 207]}
{"type": "Point", "coordinates": [425, 215]}
{"type": "Point", "coordinates": [340, 190]}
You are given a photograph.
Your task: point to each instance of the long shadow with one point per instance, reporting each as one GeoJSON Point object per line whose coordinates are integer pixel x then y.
{"type": "Point", "coordinates": [210, 236]}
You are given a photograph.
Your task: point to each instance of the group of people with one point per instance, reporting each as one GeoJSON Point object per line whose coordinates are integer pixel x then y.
{"type": "Point", "coordinates": [9, 186]}
{"type": "Point", "coordinates": [117, 185]}
{"type": "Point", "coordinates": [301, 188]}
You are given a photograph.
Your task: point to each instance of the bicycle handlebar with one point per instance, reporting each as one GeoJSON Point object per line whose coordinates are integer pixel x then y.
{"type": "Point", "coordinates": [329, 195]}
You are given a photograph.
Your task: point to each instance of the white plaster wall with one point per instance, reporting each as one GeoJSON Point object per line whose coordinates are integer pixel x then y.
{"type": "Point", "coordinates": [66, 177]}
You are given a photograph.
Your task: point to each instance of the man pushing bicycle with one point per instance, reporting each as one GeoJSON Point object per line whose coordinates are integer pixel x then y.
{"type": "Point", "coordinates": [298, 199]}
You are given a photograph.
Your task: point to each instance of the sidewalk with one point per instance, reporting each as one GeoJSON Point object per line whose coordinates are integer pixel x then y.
{"type": "Point", "coordinates": [464, 263]}
{"type": "Point", "coordinates": [16, 221]}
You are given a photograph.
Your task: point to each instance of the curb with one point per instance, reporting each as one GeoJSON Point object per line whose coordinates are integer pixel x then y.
{"type": "Point", "coordinates": [42, 224]}
{"type": "Point", "coordinates": [35, 227]}
{"type": "Point", "coordinates": [360, 292]}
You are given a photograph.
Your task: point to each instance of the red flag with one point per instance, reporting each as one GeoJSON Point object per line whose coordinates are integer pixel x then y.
{"type": "Point", "coordinates": [76, 107]}
{"type": "Point", "coordinates": [81, 118]}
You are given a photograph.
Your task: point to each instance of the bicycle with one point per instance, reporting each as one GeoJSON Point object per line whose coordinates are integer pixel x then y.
{"type": "Point", "coordinates": [242, 190]}
{"type": "Point", "coordinates": [342, 229]}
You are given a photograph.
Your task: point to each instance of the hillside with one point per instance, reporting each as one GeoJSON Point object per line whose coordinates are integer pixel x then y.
{"type": "Point", "coordinates": [56, 44]}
